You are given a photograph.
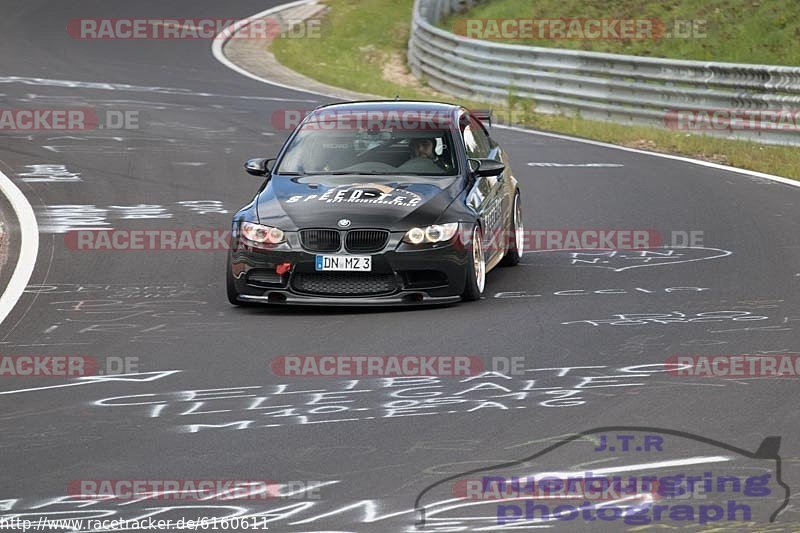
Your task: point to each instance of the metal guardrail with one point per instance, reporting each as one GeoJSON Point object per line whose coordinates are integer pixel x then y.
{"type": "Point", "coordinates": [618, 88]}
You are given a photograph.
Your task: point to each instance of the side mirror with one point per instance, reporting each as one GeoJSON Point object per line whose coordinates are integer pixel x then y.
{"type": "Point", "coordinates": [258, 166]}
{"type": "Point", "coordinates": [486, 167]}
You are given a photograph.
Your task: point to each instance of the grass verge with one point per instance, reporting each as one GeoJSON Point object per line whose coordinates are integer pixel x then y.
{"type": "Point", "coordinates": [739, 31]}
{"type": "Point", "coordinates": [363, 47]}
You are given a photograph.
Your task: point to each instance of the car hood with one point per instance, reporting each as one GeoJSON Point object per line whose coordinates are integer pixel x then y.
{"type": "Point", "coordinates": [390, 202]}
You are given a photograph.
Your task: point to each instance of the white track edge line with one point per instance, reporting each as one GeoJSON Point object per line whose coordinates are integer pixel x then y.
{"type": "Point", "coordinates": [28, 247]}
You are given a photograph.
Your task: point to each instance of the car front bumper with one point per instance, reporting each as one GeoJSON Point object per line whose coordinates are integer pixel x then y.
{"type": "Point", "coordinates": [406, 276]}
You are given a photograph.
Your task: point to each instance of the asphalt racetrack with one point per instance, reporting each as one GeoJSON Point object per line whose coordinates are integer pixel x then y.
{"type": "Point", "coordinates": [591, 334]}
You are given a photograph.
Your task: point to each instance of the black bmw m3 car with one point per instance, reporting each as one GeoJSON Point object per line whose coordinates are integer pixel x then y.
{"type": "Point", "coordinates": [377, 203]}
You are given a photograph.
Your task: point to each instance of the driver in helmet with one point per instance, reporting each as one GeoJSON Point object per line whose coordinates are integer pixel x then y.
{"type": "Point", "coordinates": [423, 147]}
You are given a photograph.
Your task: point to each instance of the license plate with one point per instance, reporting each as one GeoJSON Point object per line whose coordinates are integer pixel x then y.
{"type": "Point", "coordinates": [350, 263]}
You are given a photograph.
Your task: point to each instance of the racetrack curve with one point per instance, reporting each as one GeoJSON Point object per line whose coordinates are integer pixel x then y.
{"type": "Point", "coordinates": [182, 169]}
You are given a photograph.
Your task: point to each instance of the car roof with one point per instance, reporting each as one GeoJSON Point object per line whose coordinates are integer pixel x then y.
{"type": "Point", "coordinates": [390, 105]}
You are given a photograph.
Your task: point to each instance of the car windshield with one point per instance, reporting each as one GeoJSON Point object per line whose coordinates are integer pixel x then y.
{"type": "Point", "coordinates": [323, 148]}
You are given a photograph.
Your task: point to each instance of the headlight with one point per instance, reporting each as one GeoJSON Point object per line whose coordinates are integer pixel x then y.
{"type": "Point", "coordinates": [431, 234]}
{"type": "Point", "coordinates": [262, 234]}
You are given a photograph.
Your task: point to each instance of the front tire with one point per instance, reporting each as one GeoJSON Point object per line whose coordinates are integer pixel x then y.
{"type": "Point", "coordinates": [476, 268]}
{"type": "Point", "coordinates": [517, 236]}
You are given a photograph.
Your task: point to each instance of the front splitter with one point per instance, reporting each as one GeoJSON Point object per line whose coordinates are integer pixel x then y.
{"type": "Point", "coordinates": [402, 299]}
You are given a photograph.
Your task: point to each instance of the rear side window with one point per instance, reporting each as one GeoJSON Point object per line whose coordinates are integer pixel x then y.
{"type": "Point", "coordinates": [476, 140]}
